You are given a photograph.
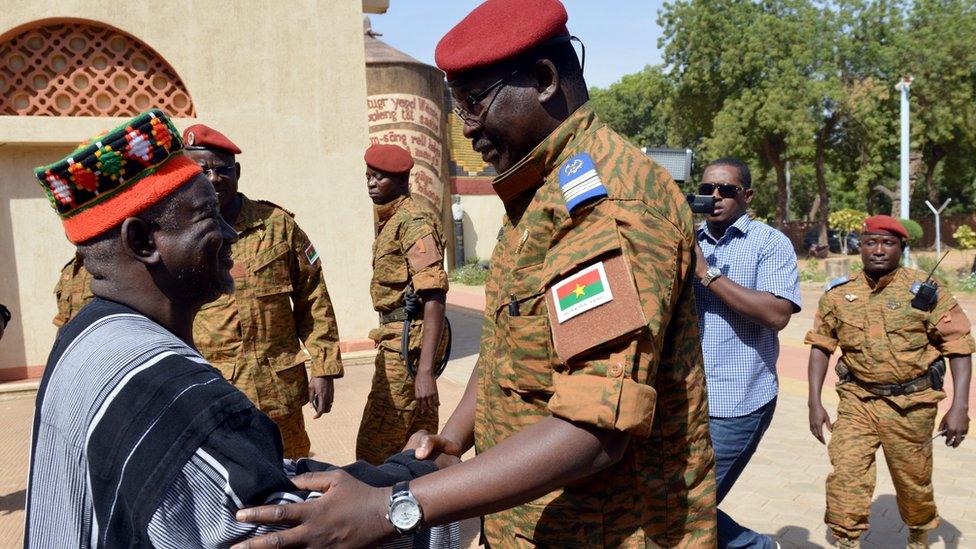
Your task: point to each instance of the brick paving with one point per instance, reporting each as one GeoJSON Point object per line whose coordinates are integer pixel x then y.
{"type": "Point", "coordinates": [780, 493]}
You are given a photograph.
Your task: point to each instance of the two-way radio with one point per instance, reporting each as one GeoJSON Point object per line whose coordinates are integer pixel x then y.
{"type": "Point", "coordinates": [927, 293]}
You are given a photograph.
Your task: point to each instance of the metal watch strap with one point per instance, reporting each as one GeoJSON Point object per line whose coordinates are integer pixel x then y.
{"type": "Point", "coordinates": [710, 277]}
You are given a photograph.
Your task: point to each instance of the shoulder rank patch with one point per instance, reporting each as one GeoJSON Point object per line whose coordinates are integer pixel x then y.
{"type": "Point", "coordinates": [311, 254]}
{"type": "Point", "coordinates": [837, 282]}
{"type": "Point", "coordinates": [915, 286]}
{"type": "Point", "coordinates": [581, 292]}
{"type": "Point", "coordinates": [579, 181]}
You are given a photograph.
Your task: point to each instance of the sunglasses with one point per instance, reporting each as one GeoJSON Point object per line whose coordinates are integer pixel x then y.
{"type": "Point", "coordinates": [725, 190]}
{"type": "Point", "coordinates": [220, 171]}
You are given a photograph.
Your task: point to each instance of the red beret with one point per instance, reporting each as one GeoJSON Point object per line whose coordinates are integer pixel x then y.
{"type": "Point", "coordinates": [199, 136]}
{"type": "Point", "coordinates": [884, 224]}
{"type": "Point", "coordinates": [498, 30]}
{"type": "Point", "coordinates": [388, 158]}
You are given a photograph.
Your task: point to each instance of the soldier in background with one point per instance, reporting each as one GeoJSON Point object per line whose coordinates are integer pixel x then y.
{"type": "Point", "coordinates": [255, 336]}
{"type": "Point", "coordinates": [407, 257]}
{"type": "Point", "coordinates": [73, 290]}
{"type": "Point", "coordinates": [891, 369]}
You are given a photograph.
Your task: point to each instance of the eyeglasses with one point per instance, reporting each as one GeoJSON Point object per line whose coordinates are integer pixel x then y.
{"type": "Point", "coordinates": [725, 190]}
{"type": "Point", "coordinates": [220, 171]}
{"type": "Point", "coordinates": [470, 111]}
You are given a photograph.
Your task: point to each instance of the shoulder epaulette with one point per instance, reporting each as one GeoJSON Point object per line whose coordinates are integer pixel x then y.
{"type": "Point", "coordinates": [579, 181]}
{"type": "Point", "coordinates": [277, 207]}
{"type": "Point", "coordinates": [840, 280]}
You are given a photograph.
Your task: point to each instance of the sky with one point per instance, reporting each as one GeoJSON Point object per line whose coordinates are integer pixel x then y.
{"type": "Point", "coordinates": [620, 35]}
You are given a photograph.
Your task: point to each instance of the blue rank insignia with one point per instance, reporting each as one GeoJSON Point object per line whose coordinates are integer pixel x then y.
{"type": "Point", "coordinates": [579, 181]}
{"type": "Point", "coordinates": [915, 286]}
{"type": "Point", "coordinates": [837, 282]}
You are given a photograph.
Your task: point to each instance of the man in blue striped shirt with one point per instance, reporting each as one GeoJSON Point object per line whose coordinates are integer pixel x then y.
{"type": "Point", "coordinates": [746, 292]}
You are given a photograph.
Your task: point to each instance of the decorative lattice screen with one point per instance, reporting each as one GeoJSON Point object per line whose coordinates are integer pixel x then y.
{"type": "Point", "coordinates": [77, 69]}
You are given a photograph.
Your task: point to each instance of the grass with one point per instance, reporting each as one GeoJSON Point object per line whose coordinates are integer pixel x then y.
{"type": "Point", "coordinates": [472, 273]}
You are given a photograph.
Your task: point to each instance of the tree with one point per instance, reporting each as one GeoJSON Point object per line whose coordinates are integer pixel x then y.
{"type": "Point", "coordinates": [937, 50]}
{"type": "Point", "coordinates": [845, 222]}
{"type": "Point", "coordinates": [635, 106]}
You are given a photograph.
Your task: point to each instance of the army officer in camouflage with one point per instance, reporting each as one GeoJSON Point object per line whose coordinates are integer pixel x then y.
{"type": "Point", "coordinates": [587, 407]}
{"type": "Point", "coordinates": [407, 257]}
{"type": "Point", "coordinates": [73, 290]}
{"type": "Point", "coordinates": [255, 336]}
{"type": "Point", "coordinates": [892, 342]}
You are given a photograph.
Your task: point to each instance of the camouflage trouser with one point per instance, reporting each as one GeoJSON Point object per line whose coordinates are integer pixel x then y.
{"type": "Point", "coordinates": [294, 439]}
{"type": "Point", "coordinates": [390, 416]}
{"type": "Point", "coordinates": [862, 426]}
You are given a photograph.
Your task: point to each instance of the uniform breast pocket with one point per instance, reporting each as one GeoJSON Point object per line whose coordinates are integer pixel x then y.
{"type": "Point", "coordinates": [527, 359]}
{"type": "Point", "coordinates": [270, 273]}
{"type": "Point", "coordinates": [907, 329]}
{"type": "Point", "coordinates": [850, 332]}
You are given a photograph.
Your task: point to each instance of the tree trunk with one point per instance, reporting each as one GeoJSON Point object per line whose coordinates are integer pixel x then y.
{"type": "Point", "coordinates": [895, 197]}
{"type": "Point", "coordinates": [823, 211]}
{"type": "Point", "coordinates": [772, 149]}
{"type": "Point", "coordinates": [936, 156]}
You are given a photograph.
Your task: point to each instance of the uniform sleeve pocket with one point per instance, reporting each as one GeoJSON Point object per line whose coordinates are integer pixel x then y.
{"type": "Point", "coordinates": [526, 364]}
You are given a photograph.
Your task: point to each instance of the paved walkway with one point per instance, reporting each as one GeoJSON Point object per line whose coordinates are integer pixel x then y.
{"type": "Point", "coordinates": [780, 493]}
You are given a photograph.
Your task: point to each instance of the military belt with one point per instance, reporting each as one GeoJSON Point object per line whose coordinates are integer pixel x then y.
{"type": "Point", "coordinates": [918, 384]}
{"type": "Point", "coordinates": [396, 315]}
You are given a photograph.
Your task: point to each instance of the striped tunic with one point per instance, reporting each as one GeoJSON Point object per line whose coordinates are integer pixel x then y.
{"type": "Point", "coordinates": [139, 442]}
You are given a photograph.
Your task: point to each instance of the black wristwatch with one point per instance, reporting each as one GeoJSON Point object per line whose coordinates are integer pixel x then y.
{"type": "Point", "coordinates": [405, 513]}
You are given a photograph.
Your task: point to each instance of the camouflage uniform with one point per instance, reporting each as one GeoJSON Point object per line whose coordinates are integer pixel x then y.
{"type": "Point", "coordinates": [73, 290]}
{"type": "Point", "coordinates": [648, 381]}
{"type": "Point", "coordinates": [884, 340]}
{"type": "Point", "coordinates": [408, 251]}
{"type": "Point", "coordinates": [280, 299]}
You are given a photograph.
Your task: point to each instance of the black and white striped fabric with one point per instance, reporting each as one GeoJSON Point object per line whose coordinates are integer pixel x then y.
{"type": "Point", "coordinates": [139, 442]}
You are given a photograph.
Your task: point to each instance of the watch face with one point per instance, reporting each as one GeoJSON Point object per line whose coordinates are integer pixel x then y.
{"type": "Point", "coordinates": [405, 514]}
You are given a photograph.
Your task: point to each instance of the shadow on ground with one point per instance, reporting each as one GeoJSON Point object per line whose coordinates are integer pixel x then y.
{"type": "Point", "coordinates": [13, 501]}
{"type": "Point", "coordinates": [887, 530]}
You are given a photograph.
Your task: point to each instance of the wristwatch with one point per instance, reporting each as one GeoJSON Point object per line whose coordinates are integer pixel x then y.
{"type": "Point", "coordinates": [710, 275]}
{"type": "Point", "coordinates": [405, 513]}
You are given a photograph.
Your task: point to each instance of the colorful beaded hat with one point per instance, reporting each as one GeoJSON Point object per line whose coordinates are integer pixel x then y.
{"type": "Point", "coordinates": [116, 175]}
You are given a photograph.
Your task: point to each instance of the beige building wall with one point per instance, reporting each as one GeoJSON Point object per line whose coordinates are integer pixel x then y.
{"type": "Point", "coordinates": [482, 219]}
{"type": "Point", "coordinates": [287, 85]}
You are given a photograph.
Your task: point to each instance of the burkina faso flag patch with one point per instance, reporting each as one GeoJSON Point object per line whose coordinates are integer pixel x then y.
{"type": "Point", "coordinates": [581, 292]}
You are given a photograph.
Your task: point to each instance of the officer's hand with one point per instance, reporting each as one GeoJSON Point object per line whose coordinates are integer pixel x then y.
{"type": "Point", "coordinates": [701, 264]}
{"type": "Point", "coordinates": [321, 391]}
{"type": "Point", "coordinates": [427, 445]}
{"type": "Point", "coordinates": [818, 418]}
{"type": "Point", "coordinates": [348, 514]}
{"type": "Point", "coordinates": [425, 391]}
{"type": "Point", "coordinates": [956, 425]}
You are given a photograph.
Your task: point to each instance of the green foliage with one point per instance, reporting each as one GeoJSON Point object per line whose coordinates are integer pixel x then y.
{"type": "Point", "coordinates": [847, 220]}
{"type": "Point", "coordinates": [811, 83]}
{"type": "Point", "coordinates": [472, 273]}
{"type": "Point", "coordinates": [915, 231]}
{"type": "Point", "coordinates": [926, 263]}
{"type": "Point", "coordinates": [967, 283]}
{"type": "Point", "coordinates": [965, 237]}
{"type": "Point", "coordinates": [857, 265]}
{"type": "Point", "coordinates": [635, 105]}
{"type": "Point", "coordinates": [813, 272]}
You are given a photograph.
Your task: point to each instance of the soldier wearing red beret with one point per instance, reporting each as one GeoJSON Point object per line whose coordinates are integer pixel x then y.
{"type": "Point", "coordinates": [893, 333]}
{"type": "Point", "coordinates": [255, 336]}
{"type": "Point", "coordinates": [408, 257]}
{"type": "Point", "coordinates": [587, 408]}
